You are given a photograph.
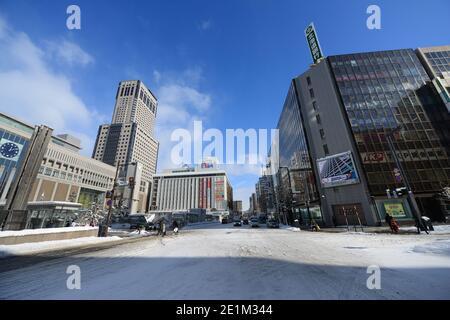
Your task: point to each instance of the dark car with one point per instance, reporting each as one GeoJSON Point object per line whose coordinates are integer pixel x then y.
{"type": "Point", "coordinates": [224, 220]}
{"type": "Point", "coordinates": [237, 222]}
{"type": "Point", "coordinates": [137, 221]}
{"type": "Point", "coordinates": [254, 222]}
{"type": "Point", "coordinates": [245, 221]}
{"type": "Point", "coordinates": [272, 223]}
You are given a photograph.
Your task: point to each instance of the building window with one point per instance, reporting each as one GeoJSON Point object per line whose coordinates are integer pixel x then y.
{"type": "Point", "coordinates": [308, 80]}
{"type": "Point", "coordinates": [311, 93]}
{"type": "Point", "coordinates": [319, 121]}
{"type": "Point", "coordinates": [322, 133]}
{"type": "Point", "coordinates": [325, 149]}
{"type": "Point", "coordinates": [314, 104]}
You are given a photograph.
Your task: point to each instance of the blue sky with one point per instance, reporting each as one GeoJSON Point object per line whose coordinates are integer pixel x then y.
{"type": "Point", "coordinates": [227, 63]}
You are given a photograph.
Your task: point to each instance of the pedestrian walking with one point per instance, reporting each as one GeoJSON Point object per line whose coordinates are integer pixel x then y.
{"type": "Point", "coordinates": [162, 228]}
{"type": "Point", "coordinates": [175, 226]}
{"type": "Point", "coordinates": [393, 225]}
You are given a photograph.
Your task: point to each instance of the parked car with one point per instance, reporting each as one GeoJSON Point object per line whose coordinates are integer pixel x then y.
{"type": "Point", "coordinates": [245, 221]}
{"type": "Point", "coordinates": [237, 222]}
{"type": "Point", "coordinates": [254, 222]}
{"type": "Point", "coordinates": [137, 221]}
{"type": "Point", "coordinates": [272, 223]}
{"type": "Point", "coordinates": [224, 220]}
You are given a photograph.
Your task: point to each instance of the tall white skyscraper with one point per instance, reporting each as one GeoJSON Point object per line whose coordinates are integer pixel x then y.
{"type": "Point", "coordinates": [129, 138]}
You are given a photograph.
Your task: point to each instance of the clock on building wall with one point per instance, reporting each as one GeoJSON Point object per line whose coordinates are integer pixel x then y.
{"type": "Point", "coordinates": [10, 150]}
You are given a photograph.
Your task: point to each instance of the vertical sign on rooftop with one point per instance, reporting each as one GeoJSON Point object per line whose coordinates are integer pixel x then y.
{"type": "Point", "coordinates": [313, 43]}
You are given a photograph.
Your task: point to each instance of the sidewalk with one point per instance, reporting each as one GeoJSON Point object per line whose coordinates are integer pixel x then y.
{"type": "Point", "coordinates": [438, 229]}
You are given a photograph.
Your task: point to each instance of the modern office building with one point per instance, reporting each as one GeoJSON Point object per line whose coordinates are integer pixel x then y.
{"type": "Point", "coordinates": [129, 138]}
{"type": "Point", "coordinates": [63, 175]}
{"type": "Point", "coordinates": [66, 175]}
{"type": "Point", "coordinates": [202, 187]}
{"type": "Point", "coordinates": [337, 119]}
{"type": "Point", "coordinates": [436, 61]}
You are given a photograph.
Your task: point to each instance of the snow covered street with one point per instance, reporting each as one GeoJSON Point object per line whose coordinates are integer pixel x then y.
{"type": "Point", "coordinates": [225, 262]}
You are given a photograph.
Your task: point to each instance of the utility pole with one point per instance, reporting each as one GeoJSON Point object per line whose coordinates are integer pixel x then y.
{"type": "Point", "coordinates": [410, 197]}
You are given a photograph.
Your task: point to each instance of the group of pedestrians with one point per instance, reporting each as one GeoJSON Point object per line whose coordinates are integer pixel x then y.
{"type": "Point", "coordinates": [422, 224]}
{"type": "Point", "coordinates": [162, 227]}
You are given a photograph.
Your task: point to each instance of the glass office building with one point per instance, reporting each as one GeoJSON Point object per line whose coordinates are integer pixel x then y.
{"type": "Point", "coordinates": [297, 191]}
{"type": "Point", "coordinates": [390, 92]}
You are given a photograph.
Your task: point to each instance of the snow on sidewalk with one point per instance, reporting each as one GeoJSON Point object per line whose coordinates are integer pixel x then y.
{"type": "Point", "coordinates": [438, 229]}
{"type": "Point", "coordinates": [26, 232]}
{"type": "Point", "coordinates": [37, 247]}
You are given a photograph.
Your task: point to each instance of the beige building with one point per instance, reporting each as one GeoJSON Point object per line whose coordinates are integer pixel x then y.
{"type": "Point", "coordinates": [64, 175]}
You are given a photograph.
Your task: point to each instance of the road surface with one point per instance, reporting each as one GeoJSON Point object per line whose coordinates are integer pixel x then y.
{"type": "Point", "coordinates": [225, 262]}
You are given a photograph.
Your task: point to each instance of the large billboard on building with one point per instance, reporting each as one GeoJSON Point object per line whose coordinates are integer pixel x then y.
{"type": "Point", "coordinates": [337, 170]}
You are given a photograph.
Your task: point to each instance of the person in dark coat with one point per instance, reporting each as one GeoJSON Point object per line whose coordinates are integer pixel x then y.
{"type": "Point", "coordinates": [391, 222]}
{"type": "Point", "coordinates": [175, 226]}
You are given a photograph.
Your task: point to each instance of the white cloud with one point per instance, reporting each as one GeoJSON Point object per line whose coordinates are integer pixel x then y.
{"type": "Point", "coordinates": [156, 76]}
{"type": "Point", "coordinates": [180, 103]}
{"type": "Point", "coordinates": [32, 91]}
{"type": "Point", "coordinates": [184, 97]}
{"type": "Point", "coordinates": [205, 25]}
{"type": "Point", "coordinates": [69, 52]}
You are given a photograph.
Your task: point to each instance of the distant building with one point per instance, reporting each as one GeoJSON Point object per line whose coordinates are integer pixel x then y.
{"type": "Point", "coordinates": [265, 194]}
{"type": "Point", "coordinates": [254, 206]}
{"type": "Point", "coordinates": [188, 188]}
{"type": "Point", "coordinates": [130, 137]}
{"type": "Point", "coordinates": [237, 206]}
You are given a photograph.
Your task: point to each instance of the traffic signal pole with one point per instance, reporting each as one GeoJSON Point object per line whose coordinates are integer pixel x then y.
{"type": "Point", "coordinates": [410, 195]}
{"type": "Point", "coordinates": [108, 218]}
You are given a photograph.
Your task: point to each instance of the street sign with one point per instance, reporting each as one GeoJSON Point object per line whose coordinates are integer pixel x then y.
{"type": "Point", "coordinates": [313, 43]}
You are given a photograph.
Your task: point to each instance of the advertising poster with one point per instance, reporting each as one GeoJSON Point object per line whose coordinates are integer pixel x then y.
{"type": "Point", "coordinates": [337, 170]}
{"type": "Point", "coordinates": [395, 209]}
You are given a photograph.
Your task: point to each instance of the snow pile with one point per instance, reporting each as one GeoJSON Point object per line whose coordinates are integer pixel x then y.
{"type": "Point", "coordinates": [142, 233]}
{"type": "Point", "coordinates": [293, 229]}
{"type": "Point", "coordinates": [25, 232]}
{"type": "Point", "coordinates": [36, 247]}
{"type": "Point", "coordinates": [440, 229]}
